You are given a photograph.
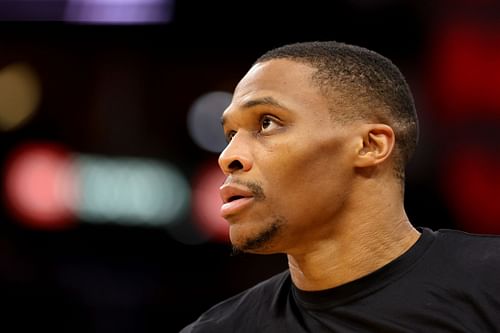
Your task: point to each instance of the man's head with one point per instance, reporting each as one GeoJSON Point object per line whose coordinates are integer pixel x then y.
{"type": "Point", "coordinates": [309, 127]}
{"type": "Point", "coordinates": [361, 84]}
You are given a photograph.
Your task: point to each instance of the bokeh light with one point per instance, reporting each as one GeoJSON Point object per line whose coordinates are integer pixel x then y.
{"type": "Point", "coordinates": [204, 120]}
{"type": "Point", "coordinates": [47, 187]}
{"type": "Point", "coordinates": [20, 93]}
{"type": "Point", "coordinates": [472, 188]}
{"type": "Point", "coordinates": [207, 202]}
{"type": "Point", "coordinates": [40, 186]}
{"type": "Point", "coordinates": [130, 191]}
{"type": "Point", "coordinates": [464, 84]}
{"type": "Point", "coordinates": [119, 11]}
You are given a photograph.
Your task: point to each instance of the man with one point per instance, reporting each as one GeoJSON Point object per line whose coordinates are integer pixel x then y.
{"type": "Point", "coordinates": [318, 137]}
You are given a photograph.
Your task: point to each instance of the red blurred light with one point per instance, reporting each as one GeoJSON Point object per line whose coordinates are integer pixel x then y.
{"type": "Point", "coordinates": [464, 82]}
{"type": "Point", "coordinates": [471, 181]}
{"type": "Point", "coordinates": [465, 71]}
{"type": "Point", "coordinates": [40, 186]}
{"type": "Point", "coordinates": [207, 202]}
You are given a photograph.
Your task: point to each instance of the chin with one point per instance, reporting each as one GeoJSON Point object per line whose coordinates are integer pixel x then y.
{"type": "Point", "coordinates": [260, 241]}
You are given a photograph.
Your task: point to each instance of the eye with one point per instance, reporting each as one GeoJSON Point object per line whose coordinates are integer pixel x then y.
{"type": "Point", "coordinates": [267, 123]}
{"type": "Point", "coordinates": [230, 135]}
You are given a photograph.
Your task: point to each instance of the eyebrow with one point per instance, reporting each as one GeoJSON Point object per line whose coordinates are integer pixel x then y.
{"type": "Point", "coordinates": [266, 101]}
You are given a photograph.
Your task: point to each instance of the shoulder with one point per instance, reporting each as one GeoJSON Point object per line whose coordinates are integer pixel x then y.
{"type": "Point", "coordinates": [237, 310]}
{"type": "Point", "coordinates": [474, 255]}
{"type": "Point", "coordinates": [477, 246]}
{"type": "Point", "coordinates": [468, 269]}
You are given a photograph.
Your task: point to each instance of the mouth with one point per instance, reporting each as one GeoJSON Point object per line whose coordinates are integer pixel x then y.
{"type": "Point", "coordinates": [235, 199]}
{"type": "Point", "coordinates": [230, 193]}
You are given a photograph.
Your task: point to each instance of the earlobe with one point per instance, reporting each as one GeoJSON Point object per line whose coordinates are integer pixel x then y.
{"type": "Point", "coordinates": [377, 145]}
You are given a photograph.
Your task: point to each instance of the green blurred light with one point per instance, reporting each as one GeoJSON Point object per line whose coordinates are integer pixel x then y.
{"type": "Point", "coordinates": [131, 191]}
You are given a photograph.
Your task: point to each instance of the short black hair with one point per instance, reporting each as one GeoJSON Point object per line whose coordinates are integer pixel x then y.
{"type": "Point", "coordinates": [366, 84]}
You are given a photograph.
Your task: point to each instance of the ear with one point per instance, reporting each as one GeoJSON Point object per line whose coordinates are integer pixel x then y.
{"type": "Point", "coordinates": [375, 145]}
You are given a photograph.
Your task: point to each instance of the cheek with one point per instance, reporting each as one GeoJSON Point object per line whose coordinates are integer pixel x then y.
{"type": "Point", "coordinates": [307, 177]}
{"type": "Point", "coordinates": [313, 161]}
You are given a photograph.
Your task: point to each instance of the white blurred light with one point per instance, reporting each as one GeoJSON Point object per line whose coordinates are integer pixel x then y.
{"type": "Point", "coordinates": [204, 120]}
{"type": "Point", "coordinates": [131, 191]}
{"type": "Point", "coordinates": [119, 11]}
{"type": "Point", "coordinates": [20, 94]}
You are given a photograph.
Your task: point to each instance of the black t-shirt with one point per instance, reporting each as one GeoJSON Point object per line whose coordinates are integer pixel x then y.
{"type": "Point", "coordinates": [449, 281]}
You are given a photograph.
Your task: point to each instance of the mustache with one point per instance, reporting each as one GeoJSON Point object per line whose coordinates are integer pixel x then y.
{"type": "Point", "coordinates": [254, 187]}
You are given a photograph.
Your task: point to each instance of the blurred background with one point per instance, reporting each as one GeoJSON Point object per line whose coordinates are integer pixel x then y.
{"type": "Point", "coordinates": [109, 126]}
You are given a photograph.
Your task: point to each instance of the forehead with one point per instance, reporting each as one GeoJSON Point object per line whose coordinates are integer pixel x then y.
{"type": "Point", "coordinates": [285, 81]}
{"type": "Point", "coordinates": [277, 72]}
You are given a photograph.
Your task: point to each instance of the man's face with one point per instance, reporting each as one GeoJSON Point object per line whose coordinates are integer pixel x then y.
{"type": "Point", "coordinates": [288, 163]}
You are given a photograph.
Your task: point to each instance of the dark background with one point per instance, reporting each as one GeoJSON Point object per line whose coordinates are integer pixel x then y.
{"type": "Point", "coordinates": [124, 90]}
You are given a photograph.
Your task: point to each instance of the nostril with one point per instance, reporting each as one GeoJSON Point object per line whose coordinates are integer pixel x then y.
{"type": "Point", "coordinates": [235, 165]}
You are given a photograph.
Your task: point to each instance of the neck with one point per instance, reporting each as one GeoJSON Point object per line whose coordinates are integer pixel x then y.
{"type": "Point", "coordinates": [356, 249]}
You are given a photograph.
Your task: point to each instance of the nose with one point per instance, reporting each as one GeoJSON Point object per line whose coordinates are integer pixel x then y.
{"type": "Point", "coordinates": [236, 157]}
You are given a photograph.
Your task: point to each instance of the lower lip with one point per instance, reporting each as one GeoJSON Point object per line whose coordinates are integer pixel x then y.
{"type": "Point", "coordinates": [233, 207]}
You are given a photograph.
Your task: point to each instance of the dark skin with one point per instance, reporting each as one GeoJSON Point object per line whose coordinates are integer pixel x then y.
{"type": "Point", "coordinates": [328, 195]}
